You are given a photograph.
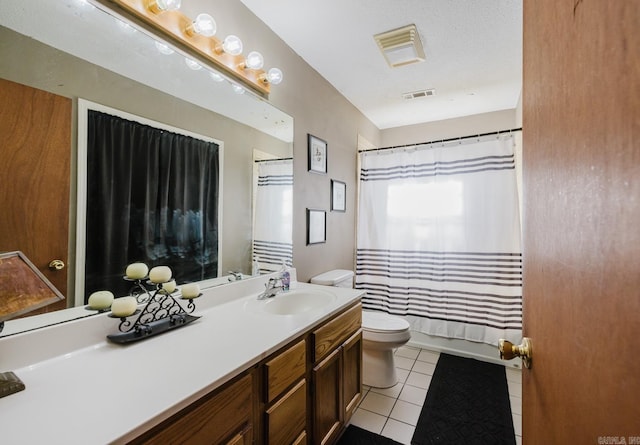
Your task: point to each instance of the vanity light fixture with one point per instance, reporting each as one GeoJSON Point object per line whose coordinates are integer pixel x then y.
{"type": "Point", "coordinates": [273, 76]}
{"type": "Point", "coordinates": [164, 48]}
{"type": "Point", "coordinates": [230, 45]}
{"type": "Point", "coordinates": [158, 6]}
{"type": "Point", "coordinates": [203, 25]}
{"type": "Point", "coordinates": [192, 64]}
{"type": "Point", "coordinates": [237, 88]}
{"type": "Point", "coordinates": [196, 38]}
{"type": "Point", "coordinates": [254, 61]}
{"type": "Point", "coordinates": [216, 76]}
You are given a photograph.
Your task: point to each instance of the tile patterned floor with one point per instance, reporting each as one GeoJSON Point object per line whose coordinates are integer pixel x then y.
{"type": "Point", "coordinates": [393, 412]}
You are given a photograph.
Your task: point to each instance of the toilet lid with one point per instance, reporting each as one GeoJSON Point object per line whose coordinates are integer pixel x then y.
{"type": "Point", "coordinates": [382, 322]}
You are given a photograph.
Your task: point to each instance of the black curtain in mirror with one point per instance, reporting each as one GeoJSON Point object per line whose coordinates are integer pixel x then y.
{"type": "Point", "coordinates": [152, 196]}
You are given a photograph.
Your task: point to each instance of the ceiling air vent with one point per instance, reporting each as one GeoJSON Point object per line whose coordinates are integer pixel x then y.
{"type": "Point", "coordinates": [401, 46]}
{"type": "Point", "coordinates": [419, 94]}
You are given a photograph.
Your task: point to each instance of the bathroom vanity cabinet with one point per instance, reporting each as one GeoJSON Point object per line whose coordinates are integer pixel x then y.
{"type": "Point", "coordinates": [305, 393]}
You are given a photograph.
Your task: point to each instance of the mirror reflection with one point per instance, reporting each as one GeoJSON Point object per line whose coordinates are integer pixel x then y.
{"type": "Point", "coordinates": [54, 67]}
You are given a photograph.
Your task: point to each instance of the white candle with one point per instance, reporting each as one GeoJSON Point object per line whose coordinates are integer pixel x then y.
{"type": "Point", "coordinates": [101, 299]}
{"type": "Point", "coordinates": [191, 290]}
{"type": "Point", "coordinates": [169, 286]}
{"type": "Point", "coordinates": [160, 274]}
{"type": "Point", "coordinates": [137, 271]}
{"type": "Point", "coordinates": [124, 306]}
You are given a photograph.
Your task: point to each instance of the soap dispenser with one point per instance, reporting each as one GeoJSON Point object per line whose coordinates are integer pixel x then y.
{"type": "Point", "coordinates": [285, 275]}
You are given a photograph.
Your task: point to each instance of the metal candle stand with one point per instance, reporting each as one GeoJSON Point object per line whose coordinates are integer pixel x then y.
{"type": "Point", "coordinates": [161, 313]}
{"type": "Point", "coordinates": [138, 290]}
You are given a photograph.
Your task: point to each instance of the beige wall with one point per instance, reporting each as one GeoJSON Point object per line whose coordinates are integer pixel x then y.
{"type": "Point", "coordinates": [319, 109]}
{"type": "Point", "coordinates": [450, 128]}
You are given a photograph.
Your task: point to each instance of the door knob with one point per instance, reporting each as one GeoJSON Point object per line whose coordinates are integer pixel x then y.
{"type": "Point", "coordinates": [508, 351]}
{"type": "Point", "coordinates": [56, 265]}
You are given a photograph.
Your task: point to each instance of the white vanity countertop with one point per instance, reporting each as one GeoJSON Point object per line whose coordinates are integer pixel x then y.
{"type": "Point", "coordinates": [104, 393]}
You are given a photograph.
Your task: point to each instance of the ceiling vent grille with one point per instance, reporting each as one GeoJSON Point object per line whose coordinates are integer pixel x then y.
{"type": "Point", "coordinates": [419, 94]}
{"type": "Point", "coordinates": [401, 46]}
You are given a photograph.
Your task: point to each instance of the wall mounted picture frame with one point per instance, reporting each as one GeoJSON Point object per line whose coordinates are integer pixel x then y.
{"type": "Point", "coordinates": [317, 154]}
{"type": "Point", "coordinates": [338, 196]}
{"type": "Point", "coordinates": [316, 226]}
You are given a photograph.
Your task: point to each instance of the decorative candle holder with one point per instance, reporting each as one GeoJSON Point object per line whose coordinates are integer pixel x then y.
{"type": "Point", "coordinates": [161, 313]}
{"type": "Point", "coordinates": [138, 290]}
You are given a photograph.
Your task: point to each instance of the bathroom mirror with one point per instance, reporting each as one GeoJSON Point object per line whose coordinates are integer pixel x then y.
{"type": "Point", "coordinates": [74, 50]}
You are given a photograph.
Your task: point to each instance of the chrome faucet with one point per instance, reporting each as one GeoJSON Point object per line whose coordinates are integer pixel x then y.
{"type": "Point", "coordinates": [235, 276]}
{"type": "Point", "coordinates": [271, 288]}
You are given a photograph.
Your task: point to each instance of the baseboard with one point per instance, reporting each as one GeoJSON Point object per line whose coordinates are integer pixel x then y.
{"type": "Point", "coordinates": [463, 348]}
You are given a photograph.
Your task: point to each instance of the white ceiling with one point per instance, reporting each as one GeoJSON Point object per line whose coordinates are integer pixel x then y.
{"type": "Point", "coordinates": [473, 53]}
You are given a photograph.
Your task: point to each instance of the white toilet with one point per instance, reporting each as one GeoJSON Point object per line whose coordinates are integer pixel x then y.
{"type": "Point", "coordinates": [381, 334]}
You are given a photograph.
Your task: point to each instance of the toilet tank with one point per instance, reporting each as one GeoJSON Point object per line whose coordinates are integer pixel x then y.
{"type": "Point", "coordinates": [336, 277]}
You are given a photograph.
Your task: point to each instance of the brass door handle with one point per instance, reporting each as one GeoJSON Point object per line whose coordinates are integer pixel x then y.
{"type": "Point", "coordinates": [508, 351]}
{"type": "Point", "coordinates": [56, 265]}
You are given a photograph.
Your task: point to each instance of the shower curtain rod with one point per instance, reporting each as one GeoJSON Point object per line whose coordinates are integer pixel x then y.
{"type": "Point", "coordinates": [444, 140]}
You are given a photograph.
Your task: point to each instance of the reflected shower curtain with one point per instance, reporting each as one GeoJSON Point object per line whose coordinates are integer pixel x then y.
{"type": "Point", "coordinates": [272, 216]}
{"type": "Point", "coordinates": [152, 196]}
{"type": "Point", "coordinates": [439, 238]}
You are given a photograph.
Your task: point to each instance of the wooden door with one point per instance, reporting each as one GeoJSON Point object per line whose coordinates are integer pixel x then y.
{"type": "Point", "coordinates": [35, 143]}
{"type": "Point", "coordinates": [581, 142]}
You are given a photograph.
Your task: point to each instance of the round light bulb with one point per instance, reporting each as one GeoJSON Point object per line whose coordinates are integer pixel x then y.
{"type": "Point", "coordinates": [205, 25]}
{"type": "Point", "coordinates": [192, 64]}
{"type": "Point", "coordinates": [237, 88]}
{"type": "Point", "coordinates": [168, 5]}
{"type": "Point", "coordinates": [216, 77]}
{"type": "Point", "coordinates": [164, 48]}
{"type": "Point", "coordinates": [232, 45]}
{"type": "Point", "coordinates": [274, 75]}
{"type": "Point", "coordinates": [254, 60]}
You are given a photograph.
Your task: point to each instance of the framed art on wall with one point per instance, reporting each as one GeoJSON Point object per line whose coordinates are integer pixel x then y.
{"type": "Point", "coordinates": [338, 196]}
{"type": "Point", "coordinates": [316, 226]}
{"type": "Point", "coordinates": [317, 154]}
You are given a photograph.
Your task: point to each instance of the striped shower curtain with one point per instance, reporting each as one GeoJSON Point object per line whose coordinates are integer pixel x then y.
{"type": "Point", "coordinates": [439, 238]}
{"type": "Point", "coordinates": [272, 216]}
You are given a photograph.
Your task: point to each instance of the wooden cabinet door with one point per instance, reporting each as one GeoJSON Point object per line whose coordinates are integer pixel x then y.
{"type": "Point", "coordinates": [352, 374]}
{"type": "Point", "coordinates": [328, 404]}
{"type": "Point", "coordinates": [581, 165]}
{"type": "Point", "coordinates": [35, 144]}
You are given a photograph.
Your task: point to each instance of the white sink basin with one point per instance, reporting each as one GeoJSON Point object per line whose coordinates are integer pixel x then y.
{"type": "Point", "coordinates": [292, 302]}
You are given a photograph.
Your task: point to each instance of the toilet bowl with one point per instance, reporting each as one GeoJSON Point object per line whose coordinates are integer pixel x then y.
{"type": "Point", "coordinates": [381, 334]}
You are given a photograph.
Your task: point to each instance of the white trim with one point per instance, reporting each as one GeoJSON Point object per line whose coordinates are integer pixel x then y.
{"type": "Point", "coordinates": [81, 196]}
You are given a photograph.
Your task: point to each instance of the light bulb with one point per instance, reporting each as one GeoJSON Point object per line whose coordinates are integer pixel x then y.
{"type": "Point", "coordinates": [237, 88]}
{"type": "Point", "coordinates": [232, 45]}
{"type": "Point", "coordinates": [204, 25]}
{"type": "Point", "coordinates": [274, 76]}
{"type": "Point", "coordinates": [164, 48]}
{"type": "Point", "coordinates": [166, 5]}
{"type": "Point", "coordinates": [192, 64]}
{"type": "Point", "coordinates": [254, 60]}
{"type": "Point", "coordinates": [216, 76]}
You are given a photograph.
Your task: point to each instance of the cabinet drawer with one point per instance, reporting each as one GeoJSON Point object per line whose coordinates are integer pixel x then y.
{"type": "Point", "coordinates": [282, 371]}
{"type": "Point", "coordinates": [223, 416]}
{"type": "Point", "coordinates": [332, 334]}
{"type": "Point", "coordinates": [287, 418]}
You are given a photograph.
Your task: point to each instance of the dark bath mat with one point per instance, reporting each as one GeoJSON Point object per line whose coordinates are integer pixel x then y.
{"type": "Point", "coordinates": [467, 403]}
{"type": "Point", "coordinates": [354, 435]}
